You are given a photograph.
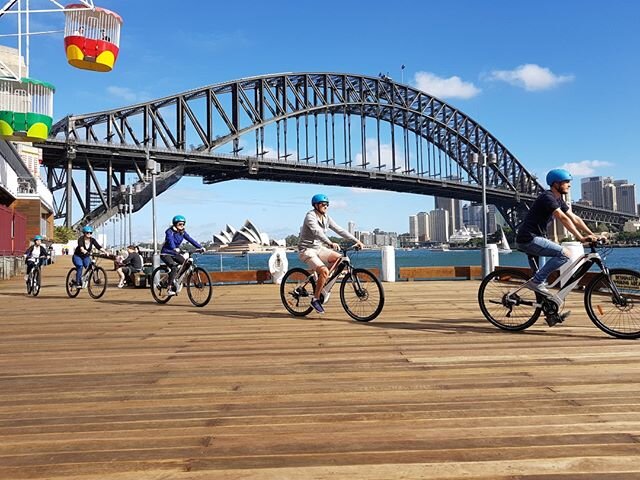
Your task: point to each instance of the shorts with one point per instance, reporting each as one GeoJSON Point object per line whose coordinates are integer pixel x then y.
{"type": "Point", "coordinates": [315, 257]}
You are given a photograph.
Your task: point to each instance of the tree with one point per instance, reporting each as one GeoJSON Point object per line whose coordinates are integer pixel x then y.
{"type": "Point", "coordinates": [62, 234]}
{"type": "Point", "coordinates": [292, 240]}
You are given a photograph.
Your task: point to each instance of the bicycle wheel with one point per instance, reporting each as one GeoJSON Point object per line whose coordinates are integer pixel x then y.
{"type": "Point", "coordinates": [35, 281]}
{"type": "Point", "coordinates": [361, 295]}
{"type": "Point", "coordinates": [70, 284]}
{"type": "Point", "coordinates": [618, 317]}
{"type": "Point", "coordinates": [29, 282]}
{"type": "Point", "coordinates": [506, 310]}
{"type": "Point", "coordinates": [160, 284]}
{"type": "Point", "coordinates": [97, 282]}
{"type": "Point", "coordinates": [296, 291]}
{"type": "Point", "coordinates": [199, 287]}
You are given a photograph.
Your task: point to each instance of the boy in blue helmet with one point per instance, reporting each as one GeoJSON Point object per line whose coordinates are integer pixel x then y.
{"type": "Point", "coordinates": [170, 253]}
{"type": "Point", "coordinates": [315, 248]}
{"type": "Point", "coordinates": [36, 253]}
{"type": "Point", "coordinates": [82, 253]}
{"type": "Point", "coordinates": [531, 237]}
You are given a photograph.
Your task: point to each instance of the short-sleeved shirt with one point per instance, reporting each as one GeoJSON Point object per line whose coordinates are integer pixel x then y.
{"type": "Point", "coordinates": [538, 217]}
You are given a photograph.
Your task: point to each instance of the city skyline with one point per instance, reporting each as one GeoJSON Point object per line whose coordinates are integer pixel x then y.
{"type": "Point", "coordinates": [548, 79]}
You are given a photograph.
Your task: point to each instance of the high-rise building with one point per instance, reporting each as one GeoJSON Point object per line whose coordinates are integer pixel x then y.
{"type": "Point", "coordinates": [626, 196]}
{"type": "Point", "coordinates": [351, 227]}
{"type": "Point", "coordinates": [439, 225]}
{"type": "Point", "coordinates": [413, 227]}
{"type": "Point", "coordinates": [609, 196]}
{"type": "Point", "coordinates": [454, 207]}
{"type": "Point", "coordinates": [424, 233]}
{"type": "Point", "coordinates": [591, 190]}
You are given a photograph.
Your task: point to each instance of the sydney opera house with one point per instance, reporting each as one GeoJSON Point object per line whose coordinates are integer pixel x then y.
{"type": "Point", "coordinates": [247, 239]}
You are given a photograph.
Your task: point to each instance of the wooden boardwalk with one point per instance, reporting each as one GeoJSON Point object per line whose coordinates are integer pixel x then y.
{"type": "Point", "coordinates": [122, 388]}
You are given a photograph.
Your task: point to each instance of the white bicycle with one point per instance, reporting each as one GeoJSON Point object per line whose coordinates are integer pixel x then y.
{"type": "Point", "coordinates": [611, 299]}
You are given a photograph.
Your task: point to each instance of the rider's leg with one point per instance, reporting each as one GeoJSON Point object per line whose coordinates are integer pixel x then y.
{"type": "Point", "coordinates": [176, 261]}
{"type": "Point", "coordinates": [323, 274]}
{"type": "Point", "coordinates": [557, 256]}
{"type": "Point", "coordinates": [78, 262]}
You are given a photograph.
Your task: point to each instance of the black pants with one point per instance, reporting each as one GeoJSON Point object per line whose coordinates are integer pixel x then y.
{"type": "Point", "coordinates": [173, 261]}
{"type": "Point", "coordinates": [32, 263]}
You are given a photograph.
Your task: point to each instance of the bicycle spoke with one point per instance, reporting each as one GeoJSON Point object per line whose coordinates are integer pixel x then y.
{"type": "Point", "coordinates": [199, 287]}
{"type": "Point", "coordinates": [296, 291]}
{"type": "Point", "coordinates": [614, 305]}
{"type": "Point", "coordinates": [361, 295]}
{"type": "Point", "coordinates": [504, 303]}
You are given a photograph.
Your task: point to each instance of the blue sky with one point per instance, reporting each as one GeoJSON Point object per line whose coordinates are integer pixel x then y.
{"type": "Point", "coordinates": [555, 81]}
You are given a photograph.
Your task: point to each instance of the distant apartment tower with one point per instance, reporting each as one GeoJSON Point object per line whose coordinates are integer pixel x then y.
{"type": "Point", "coordinates": [351, 227]}
{"type": "Point", "coordinates": [591, 189]}
{"type": "Point", "coordinates": [454, 207]}
{"type": "Point", "coordinates": [609, 196]}
{"type": "Point", "coordinates": [475, 219]}
{"type": "Point", "coordinates": [424, 233]}
{"type": "Point", "coordinates": [626, 196]}
{"type": "Point", "coordinates": [413, 227]}
{"type": "Point", "coordinates": [439, 225]}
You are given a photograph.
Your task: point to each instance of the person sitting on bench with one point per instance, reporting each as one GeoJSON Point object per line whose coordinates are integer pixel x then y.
{"type": "Point", "coordinates": [130, 265]}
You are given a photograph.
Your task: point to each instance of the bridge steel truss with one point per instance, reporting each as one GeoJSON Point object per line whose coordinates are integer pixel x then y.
{"type": "Point", "coordinates": [323, 128]}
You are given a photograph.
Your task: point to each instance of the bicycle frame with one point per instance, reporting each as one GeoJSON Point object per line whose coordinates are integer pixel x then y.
{"type": "Point", "coordinates": [568, 279]}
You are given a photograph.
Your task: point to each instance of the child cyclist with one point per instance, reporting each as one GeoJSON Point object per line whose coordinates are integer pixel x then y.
{"type": "Point", "coordinates": [170, 253]}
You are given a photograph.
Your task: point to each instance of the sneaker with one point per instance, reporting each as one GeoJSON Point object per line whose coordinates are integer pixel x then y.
{"type": "Point", "coordinates": [556, 319]}
{"type": "Point", "coordinates": [120, 285]}
{"type": "Point", "coordinates": [538, 287]}
{"type": "Point", "coordinates": [171, 292]}
{"type": "Point", "coordinates": [315, 303]}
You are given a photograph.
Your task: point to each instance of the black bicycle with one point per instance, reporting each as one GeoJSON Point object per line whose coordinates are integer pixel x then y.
{"type": "Point", "coordinates": [361, 293]}
{"type": "Point", "coordinates": [94, 279]}
{"type": "Point", "coordinates": [34, 278]}
{"type": "Point", "coordinates": [196, 279]}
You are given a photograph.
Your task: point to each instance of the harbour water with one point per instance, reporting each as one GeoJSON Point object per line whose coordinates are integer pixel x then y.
{"type": "Point", "coordinates": [618, 257]}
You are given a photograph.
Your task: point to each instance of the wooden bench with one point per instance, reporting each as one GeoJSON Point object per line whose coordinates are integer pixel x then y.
{"type": "Point", "coordinates": [257, 276]}
{"type": "Point", "coordinates": [420, 273]}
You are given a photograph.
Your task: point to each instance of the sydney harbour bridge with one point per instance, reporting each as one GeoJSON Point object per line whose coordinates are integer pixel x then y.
{"type": "Point", "coordinates": [321, 128]}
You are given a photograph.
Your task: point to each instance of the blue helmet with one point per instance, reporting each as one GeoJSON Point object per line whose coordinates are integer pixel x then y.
{"type": "Point", "coordinates": [319, 198]}
{"type": "Point", "coordinates": [38, 237]}
{"type": "Point", "coordinates": [558, 175]}
{"type": "Point", "coordinates": [87, 229]}
{"type": "Point", "coordinates": [178, 218]}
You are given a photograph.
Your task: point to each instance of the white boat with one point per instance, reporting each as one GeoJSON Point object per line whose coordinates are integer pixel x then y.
{"type": "Point", "coordinates": [503, 246]}
{"type": "Point", "coordinates": [443, 247]}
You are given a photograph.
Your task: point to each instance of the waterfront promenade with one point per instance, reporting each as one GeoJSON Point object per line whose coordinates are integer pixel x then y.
{"type": "Point", "coordinates": [123, 388]}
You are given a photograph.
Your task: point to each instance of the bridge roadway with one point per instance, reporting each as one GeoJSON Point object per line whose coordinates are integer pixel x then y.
{"type": "Point", "coordinates": [122, 388]}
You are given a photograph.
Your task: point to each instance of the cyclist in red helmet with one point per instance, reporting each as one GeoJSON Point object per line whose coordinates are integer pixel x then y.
{"type": "Point", "coordinates": [315, 248]}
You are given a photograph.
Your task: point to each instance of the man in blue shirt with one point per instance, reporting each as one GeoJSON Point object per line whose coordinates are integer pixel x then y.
{"type": "Point", "coordinates": [532, 234]}
{"type": "Point", "coordinates": [170, 253]}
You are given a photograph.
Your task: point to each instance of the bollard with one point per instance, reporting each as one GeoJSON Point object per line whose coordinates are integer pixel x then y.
{"type": "Point", "coordinates": [388, 271]}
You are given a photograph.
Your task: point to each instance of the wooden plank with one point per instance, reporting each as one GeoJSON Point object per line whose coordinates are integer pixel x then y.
{"type": "Point", "coordinates": [241, 389]}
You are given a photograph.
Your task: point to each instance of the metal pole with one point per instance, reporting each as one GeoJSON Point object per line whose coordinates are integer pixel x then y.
{"type": "Point", "coordinates": [129, 190]}
{"type": "Point", "coordinates": [152, 168]}
{"type": "Point", "coordinates": [486, 269]}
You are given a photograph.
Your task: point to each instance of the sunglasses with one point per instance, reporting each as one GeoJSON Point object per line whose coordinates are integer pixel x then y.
{"type": "Point", "coordinates": [180, 224]}
{"type": "Point", "coordinates": [88, 233]}
{"type": "Point", "coordinates": [324, 204]}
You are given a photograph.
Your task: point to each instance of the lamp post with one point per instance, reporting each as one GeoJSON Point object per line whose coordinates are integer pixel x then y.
{"type": "Point", "coordinates": [130, 208]}
{"type": "Point", "coordinates": [153, 170]}
{"type": "Point", "coordinates": [482, 160]}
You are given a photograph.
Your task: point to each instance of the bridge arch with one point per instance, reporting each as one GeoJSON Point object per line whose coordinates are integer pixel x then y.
{"type": "Point", "coordinates": [426, 143]}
